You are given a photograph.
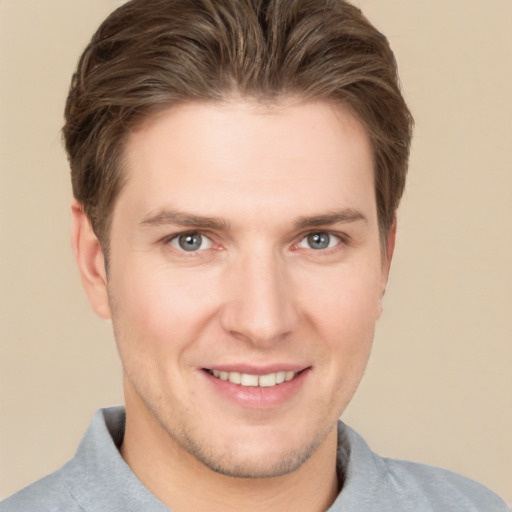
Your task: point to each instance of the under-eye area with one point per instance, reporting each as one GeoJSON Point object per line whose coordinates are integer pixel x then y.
{"type": "Point", "coordinates": [250, 380]}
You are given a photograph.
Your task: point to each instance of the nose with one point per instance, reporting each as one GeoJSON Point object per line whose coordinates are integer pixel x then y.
{"type": "Point", "coordinates": [260, 306]}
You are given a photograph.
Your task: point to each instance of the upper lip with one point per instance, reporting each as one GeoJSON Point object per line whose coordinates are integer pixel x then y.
{"type": "Point", "coordinates": [258, 370]}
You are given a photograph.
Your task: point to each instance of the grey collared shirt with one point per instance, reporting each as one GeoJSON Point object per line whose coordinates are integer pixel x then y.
{"type": "Point", "coordinates": [97, 479]}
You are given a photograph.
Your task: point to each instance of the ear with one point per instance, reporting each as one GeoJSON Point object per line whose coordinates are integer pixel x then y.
{"type": "Point", "coordinates": [90, 260]}
{"type": "Point", "coordinates": [387, 256]}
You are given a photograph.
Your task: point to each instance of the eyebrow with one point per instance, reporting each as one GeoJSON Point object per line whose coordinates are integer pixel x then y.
{"type": "Point", "coordinates": [336, 217]}
{"type": "Point", "coordinates": [164, 217]}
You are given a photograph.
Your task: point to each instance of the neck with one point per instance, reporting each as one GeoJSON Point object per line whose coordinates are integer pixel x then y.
{"type": "Point", "coordinates": [173, 475]}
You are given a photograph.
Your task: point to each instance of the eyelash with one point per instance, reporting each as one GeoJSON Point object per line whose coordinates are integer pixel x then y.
{"type": "Point", "coordinates": [343, 240]}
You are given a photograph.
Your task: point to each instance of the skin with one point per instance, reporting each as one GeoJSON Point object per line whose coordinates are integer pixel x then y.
{"type": "Point", "coordinates": [256, 296]}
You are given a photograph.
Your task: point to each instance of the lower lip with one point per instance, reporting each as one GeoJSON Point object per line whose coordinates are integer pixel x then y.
{"type": "Point", "coordinates": [255, 397]}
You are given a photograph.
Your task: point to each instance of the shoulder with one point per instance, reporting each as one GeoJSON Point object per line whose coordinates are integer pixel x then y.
{"type": "Point", "coordinates": [381, 484]}
{"type": "Point", "coordinates": [443, 489]}
{"type": "Point", "coordinates": [48, 494]}
{"type": "Point", "coordinates": [84, 481]}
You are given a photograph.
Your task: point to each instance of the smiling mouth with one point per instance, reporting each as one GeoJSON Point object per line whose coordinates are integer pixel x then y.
{"type": "Point", "coordinates": [262, 381]}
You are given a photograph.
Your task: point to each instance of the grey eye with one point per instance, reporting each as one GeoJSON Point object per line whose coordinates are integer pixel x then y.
{"type": "Point", "coordinates": [319, 240]}
{"type": "Point", "coordinates": [191, 242]}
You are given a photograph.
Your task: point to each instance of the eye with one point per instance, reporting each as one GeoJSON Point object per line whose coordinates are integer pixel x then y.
{"type": "Point", "coordinates": [191, 242]}
{"type": "Point", "coordinates": [319, 240]}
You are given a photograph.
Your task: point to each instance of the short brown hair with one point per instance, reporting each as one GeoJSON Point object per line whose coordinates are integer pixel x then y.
{"type": "Point", "coordinates": [151, 54]}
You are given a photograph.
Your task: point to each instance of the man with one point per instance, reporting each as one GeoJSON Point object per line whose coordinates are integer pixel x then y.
{"type": "Point", "coordinates": [237, 166]}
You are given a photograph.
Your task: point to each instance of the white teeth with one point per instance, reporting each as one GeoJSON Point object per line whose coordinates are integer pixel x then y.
{"type": "Point", "coordinates": [235, 377]}
{"type": "Point", "coordinates": [249, 380]}
{"type": "Point", "coordinates": [289, 376]}
{"type": "Point", "coordinates": [246, 379]}
{"type": "Point", "coordinates": [267, 381]}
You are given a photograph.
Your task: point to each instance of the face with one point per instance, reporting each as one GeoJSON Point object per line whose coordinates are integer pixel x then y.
{"type": "Point", "coordinates": [245, 278]}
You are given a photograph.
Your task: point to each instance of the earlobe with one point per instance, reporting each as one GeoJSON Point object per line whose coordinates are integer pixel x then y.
{"type": "Point", "coordinates": [90, 260]}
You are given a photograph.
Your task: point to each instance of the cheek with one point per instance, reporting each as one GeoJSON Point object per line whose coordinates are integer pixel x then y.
{"type": "Point", "coordinates": [156, 309]}
{"type": "Point", "coordinates": [342, 316]}
{"type": "Point", "coordinates": [345, 305]}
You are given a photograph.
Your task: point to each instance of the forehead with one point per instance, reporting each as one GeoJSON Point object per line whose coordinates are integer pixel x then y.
{"type": "Point", "coordinates": [209, 155]}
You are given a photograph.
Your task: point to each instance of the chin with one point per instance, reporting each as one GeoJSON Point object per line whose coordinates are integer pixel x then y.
{"type": "Point", "coordinates": [265, 459]}
{"type": "Point", "coordinates": [262, 465]}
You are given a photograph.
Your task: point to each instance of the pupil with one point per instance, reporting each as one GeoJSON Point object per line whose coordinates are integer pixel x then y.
{"type": "Point", "coordinates": [190, 242]}
{"type": "Point", "coordinates": [319, 240]}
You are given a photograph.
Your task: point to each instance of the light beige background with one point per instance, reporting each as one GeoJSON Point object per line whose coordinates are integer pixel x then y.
{"type": "Point", "coordinates": [439, 386]}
